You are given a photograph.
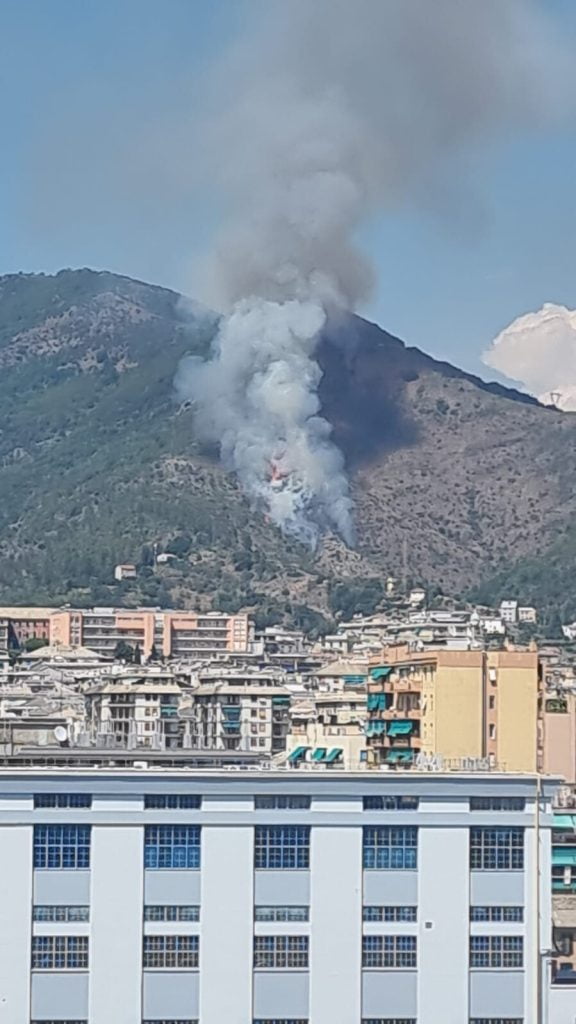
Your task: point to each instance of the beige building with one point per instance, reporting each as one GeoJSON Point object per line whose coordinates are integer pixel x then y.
{"type": "Point", "coordinates": [331, 721]}
{"type": "Point", "coordinates": [457, 704]}
{"type": "Point", "coordinates": [559, 732]}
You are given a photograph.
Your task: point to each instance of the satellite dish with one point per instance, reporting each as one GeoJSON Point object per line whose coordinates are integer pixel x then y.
{"type": "Point", "coordinates": [60, 734]}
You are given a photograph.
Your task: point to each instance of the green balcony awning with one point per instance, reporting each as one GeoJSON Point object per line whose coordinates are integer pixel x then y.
{"type": "Point", "coordinates": [400, 728]}
{"type": "Point", "coordinates": [564, 856]}
{"type": "Point", "coordinates": [298, 754]}
{"type": "Point", "coordinates": [381, 672]}
{"type": "Point", "coordinates": [375, 727]}
{"type": "Point", "coordinates": [319, 754]}
{"type": "Point", "coordinates": [334, 755]}
{"type": "Point", "coordinates": [376, 702]}
{"type": "Point", "coordinates": [355, 680]}
{"type": "Point", "coordinates": [564, 821]}
{"type": "Point", "coordinates": [399, 756]}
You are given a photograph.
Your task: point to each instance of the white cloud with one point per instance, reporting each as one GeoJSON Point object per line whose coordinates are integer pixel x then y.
{"type": "Point", "coordinates": [539, 351]}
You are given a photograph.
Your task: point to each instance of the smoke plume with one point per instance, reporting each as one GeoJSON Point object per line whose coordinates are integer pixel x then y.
{"type": "Point", "coordinates": [327, 113]}
{"type": "Point", "coordinates": [538, 350]}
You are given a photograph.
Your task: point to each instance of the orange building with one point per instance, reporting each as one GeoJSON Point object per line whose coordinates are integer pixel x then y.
{"type": "Point", "coordinates": [171, 633]}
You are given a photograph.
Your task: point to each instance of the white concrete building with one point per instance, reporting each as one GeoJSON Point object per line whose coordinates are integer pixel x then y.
{"type": "Point", "coordinates": [509, 611]}
{"type": "Point", "coordinates": [252, 897]}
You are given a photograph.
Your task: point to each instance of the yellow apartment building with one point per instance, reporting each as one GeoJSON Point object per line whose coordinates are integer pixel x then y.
{"type": "Point", "coordinates": [457, 704]}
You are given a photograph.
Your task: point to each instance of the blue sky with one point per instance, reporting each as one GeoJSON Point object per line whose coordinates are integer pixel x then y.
{"type": "Point", "coordinates": [87, 85]}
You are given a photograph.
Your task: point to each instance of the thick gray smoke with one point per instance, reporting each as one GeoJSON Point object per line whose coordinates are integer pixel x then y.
{"type": "Point", "coordinates": [327, 112]}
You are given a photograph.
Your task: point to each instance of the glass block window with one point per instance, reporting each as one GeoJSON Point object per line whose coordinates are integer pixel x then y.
{"type": "Point", "coordinates": [391, 803]}
{"type": "Point", "coordinates": [172, 1020]}
{"type": "Point", "coordinates": [282, 846]}
{"type": "Point", "coordinates": [496, 1020]}
{"type": "Point", "coordinates": [496, 913]}
{"type": "Point", "coordinates": [389, 848]}
{"type": "Point", "coordinates": [172, 846]}
{"type": "Point", "coordinates": [171, 912]}
{"type": "Point", "coordinates": [281, 803]}
{"type": "Point", "coordinates": [277, 952]}
{"type": "Point", "coordinates": [496, 849]}
{"type": "Point", "coordinates": [389, 913]}
{"type": "Point", "coordinates": [63, 801]}
{"type": "Point", "coordinates": [497, 803]}
{"type": "Point", "coordinates": [170, 952]}
{"type": "Point", "coordinates": [388, 1020]}
{"type": "Point", "coordinates": [60, 953]}
{"type": "Point", "coordinates": [172, 801]}
{"type": "Point", "coordinates": [496, 951]}
{"type": "Point", "coordinates": [59, 912]}
{"type": "Point", "coordinates": [389, 951]}
{"type": "Point", "coordinates": [62, 846]}
{"type": "Point", "coordinates": [281, 913]}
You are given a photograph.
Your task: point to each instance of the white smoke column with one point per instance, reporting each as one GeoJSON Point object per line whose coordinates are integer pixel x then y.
{"type": "Point", "coordinates": [538, 350]}
{"type": "Point", "coordinates": [328, 111]}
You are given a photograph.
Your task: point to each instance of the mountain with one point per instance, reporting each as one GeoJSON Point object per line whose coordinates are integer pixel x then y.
{"type": "Point", "coordinates": [457, 483]}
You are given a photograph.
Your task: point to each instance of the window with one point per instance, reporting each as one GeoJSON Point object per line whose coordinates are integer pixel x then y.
{"type": "Point", "coordinates": [391, 803]}
{"type": "Point", "coordinates": [496, 849]}
{"type": "Point", "coordinates": [387, 848]}
{"type": "Point", "coordinates": [60, 953]}
{"type": "Point", "coordinates": [60, 913]}
{"type": "Point", "coordinates": [282, 846]}
{"type": "Point", "coordinates": [61, 846]}
{"type": "Point", "coordinates": [280, 1020]}
{"type": "Point", "coordinates": [502, 951]}
{"type": "Point", "coordinates": [53, 1021]}
{"type": "Point", "coordinates": [383, 951]}
{"type": "Point", "coordinates": [281, 803]}
{"type": "Point", "coordinates": [172, 801]}
{"type": "Point", "coordinates": [163, 952]}
{"type": "Point", "coordinates": [496, 913]}
{"type": "Point", "coordinates": [172, 1020]}
{"type": "Point", "coordinates": [497, 803]}
{"type": "Point", "coordinates": [172, 846]}
{"type": "Point", "coordinates": [281, 913]}
{"type": "Point", "coordinates": [496, 1020]}
{"type": "Point", "coordinates": [388, 1020]}
{"type": "Point", "coordinates": [171, 912]}
{"type": "Point", "coordinates": [62, 800]}
{"type": "Point", "coordinates": [280, 951]}
{"type": "Point", "coordinates": [389, 913]}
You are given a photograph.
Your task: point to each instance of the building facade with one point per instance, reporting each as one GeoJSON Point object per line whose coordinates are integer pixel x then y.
{"type": "Point", "coordinates": [457, 704]}
{"type": "Point", "coordinates": [177, 634]}
{"type": "Point", "coordinates": [295, 897]}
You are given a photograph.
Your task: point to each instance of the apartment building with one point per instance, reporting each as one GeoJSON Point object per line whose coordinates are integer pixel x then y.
{"type": "Point", "coordinates": [169, 633]}
{"type": "Point", "coordinates": [251, 897]}
{"type": "Point", "coordinates": [328, 728]}
{"type": "Point", "coordinates": [239, 709]}
{"type": "Point", "coordinates": [457, 704]}
{"type": "Point", "coordinates": [136, 713]}
{"type": "Point", "coordinates": [17, 625]}
{"type": "Point", "coordinates": [559, 727]}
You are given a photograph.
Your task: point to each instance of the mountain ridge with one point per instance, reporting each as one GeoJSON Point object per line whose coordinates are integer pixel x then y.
{"type": "Point", "coordinates": [455, 480]}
